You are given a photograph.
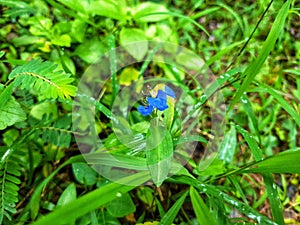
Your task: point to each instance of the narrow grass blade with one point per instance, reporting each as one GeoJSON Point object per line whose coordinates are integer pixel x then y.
{"type": "Point", "coordinates": [254, 67]}
{"type": "Point", "coordinates": [91, 201]}
{"type": "Point", "coordinates": [117, 160]}
{"type": "Point", "coordinates": [242, 207]}
{"type": "Point", "coordinates": [256, 151]}
{"type": "Point", "coordinates": [215, 192]}
{"type": "Point", "coordinates": [234, 14]}
{"type": "Point", "coordinates": [113, 66]}
{"type": "Point", "coordinates": [202, 212]}
{"type": "Point", "coordinates": [173, 211]}
{"type": "Point", "coordinates": [268, 179]}
{"type": "Point", "coordinates": [248, 108]}
{"type": "Point", "coordinates": [34, 202]}
{"type": "Point", "coordinates": [283, 103]}
{"type": "Point", "coordinates": [189, 19]}
{"type": "Point", "coordinates": [285, 162]}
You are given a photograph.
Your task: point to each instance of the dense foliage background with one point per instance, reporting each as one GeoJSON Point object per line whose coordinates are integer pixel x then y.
{"type": "Point", "coordinates": [250, 48]}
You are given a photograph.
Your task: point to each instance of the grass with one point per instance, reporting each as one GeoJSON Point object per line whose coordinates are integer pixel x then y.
{"type": "Point", "coordinates": [225, 151]}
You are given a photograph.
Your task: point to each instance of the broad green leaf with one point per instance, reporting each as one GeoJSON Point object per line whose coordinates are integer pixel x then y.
{"type": "Point", "coordinates": [121, 206]}
{"type": "Point", "coordinates": [134, 41]}
{"type": "Point", "coordinates": [90, 50]}
{"type": "Point", "coordinates": [128, 75]}
{"type": "Point", "coordinates": [2, 53]}
{"type": "Point", "coordinates": [190, 60]}
{"type": "Point", "coordinates": [45, 108]}
{"type": "Point", "coordinates": [68, 195]}
{"type": "Point", "coordinates": [143, 12]}
{"type": "Point", "coordinates": [159, 152]}
{"type": "Point", "coordinates": [117, 160]}
{"type": "Point", "coordinates": [11, 113]}
{"type": "Point", "coordinates": [211, 166]}
{"type": "Point", "coordinates": [108, 8]}
{"type": "Point", "coordinates": [5, 95]}
{"type": "Point", "coordinates": [145, 194]}
{"type": "Point", "coordinates": [228, 145]}
{"type": "Point", "coordinates": [203, 214]}
{"type": "Point", "coordinates": [141, 127]}
{"type": "Point", "coordinates": [62, 40]}
{"type": "Point", "coordinates": [284, 162]}
{"type": "Point", "coordinates": [84, 174]}
{"type": "Point", "coordinates": [254, 67]}
{"type": "Point", "coordinates": [76, 5]}
{"type": "Point", "coordinates": [92, 200]}
{"type": "Point", "coordinates": [173, 211]}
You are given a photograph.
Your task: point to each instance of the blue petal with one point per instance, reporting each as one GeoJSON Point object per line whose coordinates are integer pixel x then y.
{"type": "Point", "coordinates": [145, 110]}
{"type": "Point", "coordinates": [159, 103]}
{"type": "Point", "coordinates": [170, 92]}
{"type": "Point", "coordinates": [161, 94]}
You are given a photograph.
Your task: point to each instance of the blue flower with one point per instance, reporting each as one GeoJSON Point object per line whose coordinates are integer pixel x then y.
{"type": "Point", "coordinates": [145, 110]}
{"type": "Point", "coordinates": [170, 92]}
{"type": "Point", "coordinates": [159, 102]}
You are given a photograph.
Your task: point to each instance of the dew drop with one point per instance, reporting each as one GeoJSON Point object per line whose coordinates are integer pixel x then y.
{"type": "Point", "coordinates": [119, 194]}
{"type": "Point", "coordinates": [244, 100]}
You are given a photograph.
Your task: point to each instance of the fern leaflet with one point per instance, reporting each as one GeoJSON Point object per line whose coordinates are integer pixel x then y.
{"type": "Point", "coordinates": [17, 8]}
{"type": "Point", "coordinates": [44, 78]}
{"type": "Point", "coordinates": [9, 181]}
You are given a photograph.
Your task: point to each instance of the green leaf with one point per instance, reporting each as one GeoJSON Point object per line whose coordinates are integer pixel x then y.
{"type": "Point", "coordinates": [121, 206]}
{"type": "Point", "coordinates": [43, 78]}
{"type": "Point", "coordinates": [67, 196]}
{"type": "Point", "coordinates": [256, 151]}
{"type": "Point", "coordinates": [9, 186]}
{"type": "Point", "coordinates": [253, 69]}
{"type": "Point", "coordinates": [84, 174]}
{"type": "Point", "coordinates": [228, 146]}
{"type": "Point", "coordinates": [108, 8]}
{"type": "Point", "coordinates": [173, 211]}
{"type": "Point", "coordinates": [215, 192]}
{"type": "Point", "coordinates": [134, 41]}
{"type": "Point", "coordinates": [45, 108]}
{"type": "Point", "coordinates": [10, 114]}
{"type": "Point", "coordinates": [90, 50]}
{"type": "Point", "coordinates": [5, 95]}
{"type": "Point", "coordinates": [284, 162]}
{"type": "Point", "coordinates": [283, 103]}
{"type": "Point", "coordinates": [92, 200]}
{"type": "Point", "coordinates": [128, 75]}
{"type": "Point", "coordinates": [77, 5]}
{"type": "Point", "coordinates": [143, 11]}
{"type": "Point", "coordinates": [62, 40]}
{"type": "Point", "coordinates": [159, 152]}
{"type": "Point", "coordinates": [2, 53]}
{"type": "Point", "coordinates": [203, 214]}
{"type": "Point", "coordinates": [34, 203]}
{"type": "Point", "coordinates": [268, 179]}
{"type": "Point", "coordinates": [17, 8]}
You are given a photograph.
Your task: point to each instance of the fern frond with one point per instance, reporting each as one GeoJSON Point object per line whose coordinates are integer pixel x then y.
{"type": "Point", "coordinates": [57, 132]}
{"type": "Point", "coordinates": [44, 78]}
{"type": "Point", "coordinates": [9, 186]}
{"type": "Point", "coordinates": [57, 136]}
{"type": "Point", "coordinates": [17, 8]}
